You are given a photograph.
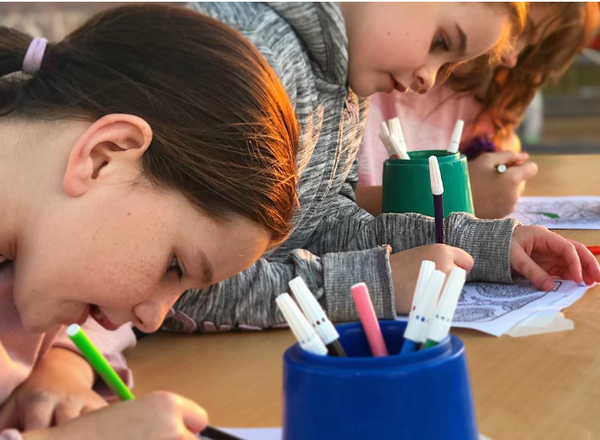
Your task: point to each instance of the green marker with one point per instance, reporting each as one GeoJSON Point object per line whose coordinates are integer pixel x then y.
{"type": "Point", "coordinates": [114, 382]}
{"type": "Point", "coordinates": [99, 362]}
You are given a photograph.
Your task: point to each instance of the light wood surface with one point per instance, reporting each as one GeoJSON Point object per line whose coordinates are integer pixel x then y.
{"type": "Point", "coordinates": [538, 387]}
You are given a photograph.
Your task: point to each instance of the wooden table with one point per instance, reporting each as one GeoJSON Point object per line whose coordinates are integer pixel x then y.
{"type": "Point", "coordinates": [539, 387]}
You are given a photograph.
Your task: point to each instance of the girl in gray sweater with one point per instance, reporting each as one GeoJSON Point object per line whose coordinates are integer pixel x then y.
{"type": "Point", "coordinates": [329, 57]}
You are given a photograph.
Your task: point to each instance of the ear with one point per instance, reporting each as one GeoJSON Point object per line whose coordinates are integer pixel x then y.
{"type": "Point", "coordinates": [109, 151]}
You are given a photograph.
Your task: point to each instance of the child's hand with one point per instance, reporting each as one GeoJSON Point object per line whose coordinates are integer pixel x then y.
{"type": "Point", "coordinates": [406, 265]}
{"type": "Point", "coordinates": [157, 416]}
{"type": "Point", "coordinates": [495, 194]}
{"type": "Point", "coordinates": [539, 254]}
{"type": "Point", "coordinates": [58, 390]}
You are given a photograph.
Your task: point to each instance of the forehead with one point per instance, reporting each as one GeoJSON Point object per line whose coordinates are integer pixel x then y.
{"type": "Point", "coordinates": [484, 25]}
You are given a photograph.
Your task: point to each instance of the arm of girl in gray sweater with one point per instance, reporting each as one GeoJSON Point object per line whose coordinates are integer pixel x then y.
{"type": "Point", "coordinates": [353, 250]}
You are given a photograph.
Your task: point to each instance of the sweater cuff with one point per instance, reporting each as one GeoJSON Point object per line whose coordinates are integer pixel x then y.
{"type": "Point", "coordinates": [342, 270]}
{"type": "Point", "coordinates": [488, 242]}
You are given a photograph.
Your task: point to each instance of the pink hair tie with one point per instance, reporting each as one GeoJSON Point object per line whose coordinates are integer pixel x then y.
{"type": "Point", "coordinates": [35, 54]}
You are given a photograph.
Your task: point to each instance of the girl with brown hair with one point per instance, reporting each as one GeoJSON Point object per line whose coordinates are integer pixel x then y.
{"type": "Point", "coordinates": [149, 152]}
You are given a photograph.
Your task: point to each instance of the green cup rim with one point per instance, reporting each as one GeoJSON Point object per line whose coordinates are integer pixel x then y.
{"type": "Point", "coordinates": [422, 157]}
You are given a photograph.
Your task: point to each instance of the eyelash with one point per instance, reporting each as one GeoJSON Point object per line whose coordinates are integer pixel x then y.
{"type": "Point", "coordinates": [174, 267]}
{"type": "Point", "coordinates": [439, 43]}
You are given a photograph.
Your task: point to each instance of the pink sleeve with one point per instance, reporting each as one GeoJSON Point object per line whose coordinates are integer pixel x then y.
{"type": "Point", "coordinates": [10, 434]}
{"type": "Point", "coordinates": [111, 344]}
{"type": "Point", "coordinates": [372, 153]}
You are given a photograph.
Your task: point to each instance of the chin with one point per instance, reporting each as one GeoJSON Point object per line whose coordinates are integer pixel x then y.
{"type": "Point", "coordinates": [32, 323]}
{"type": "Point", "coordinates": [361, 86]}
{"type": "Point", "coordinates": [35, 326]}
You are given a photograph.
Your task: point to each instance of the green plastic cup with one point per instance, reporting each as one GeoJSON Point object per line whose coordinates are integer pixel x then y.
{"type": "Point", "coordinates": [407, 188]}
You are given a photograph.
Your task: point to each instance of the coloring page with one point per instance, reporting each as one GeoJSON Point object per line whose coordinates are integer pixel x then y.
{"type": "Point", "coordinates": [575, 212]}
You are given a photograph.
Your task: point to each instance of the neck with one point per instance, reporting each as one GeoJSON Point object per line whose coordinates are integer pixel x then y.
{"type": "Point", "coordinates": [16, 181]}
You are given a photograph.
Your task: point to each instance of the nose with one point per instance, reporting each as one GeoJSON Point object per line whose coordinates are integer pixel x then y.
{"type": "Point", "coordinates": [424, 77]}
{"type": "Point", "coordinates": [510, 54]}
{"type": "Point", "coordinates": [150, 314]}
{"type": "Point", "coordinates": [509, 60]}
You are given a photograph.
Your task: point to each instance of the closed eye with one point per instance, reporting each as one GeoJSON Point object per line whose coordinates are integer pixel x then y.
{"type": "Point", "coordinates": [440, 43]}
{"type": "Point", "coordinates": [175, 268]}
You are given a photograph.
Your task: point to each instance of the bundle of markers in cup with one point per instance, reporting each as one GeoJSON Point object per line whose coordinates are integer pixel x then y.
{"type": "Point", "coordinates": [392, 137]}
{"type": "Point", "coordinates": [429, 320]}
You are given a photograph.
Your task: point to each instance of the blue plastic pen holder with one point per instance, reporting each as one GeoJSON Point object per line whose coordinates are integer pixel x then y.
{"type": "Point", "coordinates": [425, 395]}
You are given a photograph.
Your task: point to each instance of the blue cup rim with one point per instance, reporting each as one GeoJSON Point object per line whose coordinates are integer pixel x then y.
{"type": "Point", "coordinates": [422, 157]}
{"type": "Point", "coordinates": [449, 347]}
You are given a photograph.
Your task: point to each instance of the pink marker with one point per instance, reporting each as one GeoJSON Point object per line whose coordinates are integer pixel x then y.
{"type": "Point", "coordinates": [360, 293]}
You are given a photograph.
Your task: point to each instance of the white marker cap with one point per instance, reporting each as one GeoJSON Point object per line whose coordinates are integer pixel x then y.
{"type": "Point", "coordinates": [306, 336]}
{"type": "Point", "coordinates": [416, 330]}
{"type": "Point", "coordinates": [437, 187]}
{"type": "Point", "coordinates": [427, 268]}
{"type": "Point", "coordinates": [398, 149]}
{"type": "Point", "coordinates": [313, 311]}
{"type": "Point", "coordinates": [456, 135]}
{"type": "Point", "coordinates": [442, 320]}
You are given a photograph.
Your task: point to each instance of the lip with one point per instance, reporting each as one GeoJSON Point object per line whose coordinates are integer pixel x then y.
{"type": "Point", "coordinates": [84, 315]}
{"type": "Point", "coordinates": [102, 319]}
{"type": "Point", "coordinates": [398, 86]}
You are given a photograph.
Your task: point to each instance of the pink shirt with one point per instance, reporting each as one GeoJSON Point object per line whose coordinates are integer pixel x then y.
{"type": "Point", "coordinates": [20, 349]}
{"type": "Point", "coordinates": [427, 122]}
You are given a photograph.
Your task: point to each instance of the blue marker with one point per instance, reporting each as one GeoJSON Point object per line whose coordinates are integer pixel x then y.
{"type": "Point", "coordinates": [418, 320]}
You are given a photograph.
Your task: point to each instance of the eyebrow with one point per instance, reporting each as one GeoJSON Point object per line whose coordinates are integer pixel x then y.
{"type": "Point", "coordinates": [462, 48]}
{"type": "Point", "coordinates": [205, 266]}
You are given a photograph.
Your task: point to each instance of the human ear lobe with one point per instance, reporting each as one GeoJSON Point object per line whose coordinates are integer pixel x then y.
{"type": "Point", "coordinates": [108, 152]}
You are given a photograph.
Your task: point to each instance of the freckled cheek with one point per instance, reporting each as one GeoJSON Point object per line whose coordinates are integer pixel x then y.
{"type": "Point", "coordinates": [129, 285]}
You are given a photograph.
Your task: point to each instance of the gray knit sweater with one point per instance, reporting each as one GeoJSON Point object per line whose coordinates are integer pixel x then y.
{"type": "Point", "coordinates": [334, 243]}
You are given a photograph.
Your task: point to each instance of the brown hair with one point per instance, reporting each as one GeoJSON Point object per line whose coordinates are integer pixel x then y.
{"type": "Point", "coordinates": [224, 131]}
{"type": "Point", "coordinates": [512, 89]}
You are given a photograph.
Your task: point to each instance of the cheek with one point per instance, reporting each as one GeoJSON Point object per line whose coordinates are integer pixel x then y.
{"type": "Point", "coordinates": [124, 282]}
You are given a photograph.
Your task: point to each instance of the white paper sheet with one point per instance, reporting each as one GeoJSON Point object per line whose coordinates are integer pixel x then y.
{"type": "Point", "coordinates": [255, 433]}
{"type": "Point", "coordinates": [574, 212]}
{"type": "Point", "coordinates": [538, 325]}
{"type": "Point", "coordinates": [496, 308]}
{"type": "Point", "coordinates": [273, 433]}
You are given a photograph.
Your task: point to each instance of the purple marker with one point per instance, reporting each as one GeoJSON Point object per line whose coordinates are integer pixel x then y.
{"type": "Point", "coordinates": [437, 189]}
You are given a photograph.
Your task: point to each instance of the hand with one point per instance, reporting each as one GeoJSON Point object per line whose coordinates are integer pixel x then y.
{"type": "Point", "coordinates": [495, 194]}
{"type": "Point", "coordinates": [406, 265]}
{"type": "Point", "coordinates": [157, 416]}
{"type": "Point", "coordinates": [539, 254]}
{"type": "Point", "coordinates": [58, 390]}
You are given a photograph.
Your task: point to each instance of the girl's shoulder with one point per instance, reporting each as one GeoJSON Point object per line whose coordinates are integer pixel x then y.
{"type": "Point", "coordinates": [238, 15]}
{"type": "Point", "coordinates": [315, 31]}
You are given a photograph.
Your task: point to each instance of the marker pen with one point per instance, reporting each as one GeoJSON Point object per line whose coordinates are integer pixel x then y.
{"type": "Point", "coordinates": [370, 324]}
{"type": "Point", "coordinates": [437, 189]}
{"type": "Point", "coordinates": [306, 336]}
{"type": "Point", "coordinates": [455, 138]}
{"type": "Point", "coordinates": [416, 329]}
{"type": "Point", "coordinates": [427, 268]}
{"type": "Point", "coordinates": [114, 381]}
{"type": "Point", "coordinates": [317, 317]}
{"type": "Point", "coordinates": [442, 320]}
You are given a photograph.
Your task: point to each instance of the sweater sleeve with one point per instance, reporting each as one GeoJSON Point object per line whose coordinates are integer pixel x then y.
{"type": "Point", "coordinates": [347, 227]}
{"type": "Point", "coordinates": [247, 300]}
